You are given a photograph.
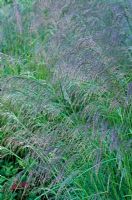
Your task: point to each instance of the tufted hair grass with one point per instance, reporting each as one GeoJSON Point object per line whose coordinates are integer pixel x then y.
{"type": "Point", "coordinates": [65, 100]}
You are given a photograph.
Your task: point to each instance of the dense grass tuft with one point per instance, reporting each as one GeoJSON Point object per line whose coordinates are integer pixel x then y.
{"type": "Point", "coordinates": [65, 100]}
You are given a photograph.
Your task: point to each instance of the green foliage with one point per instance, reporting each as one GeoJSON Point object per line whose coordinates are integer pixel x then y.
{"type": "Point", "coordinates": [5, 2]}
{"type": "Point", "coordinates": [63, 137]}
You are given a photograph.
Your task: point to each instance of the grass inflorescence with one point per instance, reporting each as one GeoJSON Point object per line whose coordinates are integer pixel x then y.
{"type": "Point", "coordinates": [65, 104]}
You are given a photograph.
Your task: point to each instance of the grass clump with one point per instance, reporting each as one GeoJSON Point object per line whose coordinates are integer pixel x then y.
{"type": "Point", "coordinates": [77, 152]}
{"type": "Point", "coordinates": [65, 132]}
